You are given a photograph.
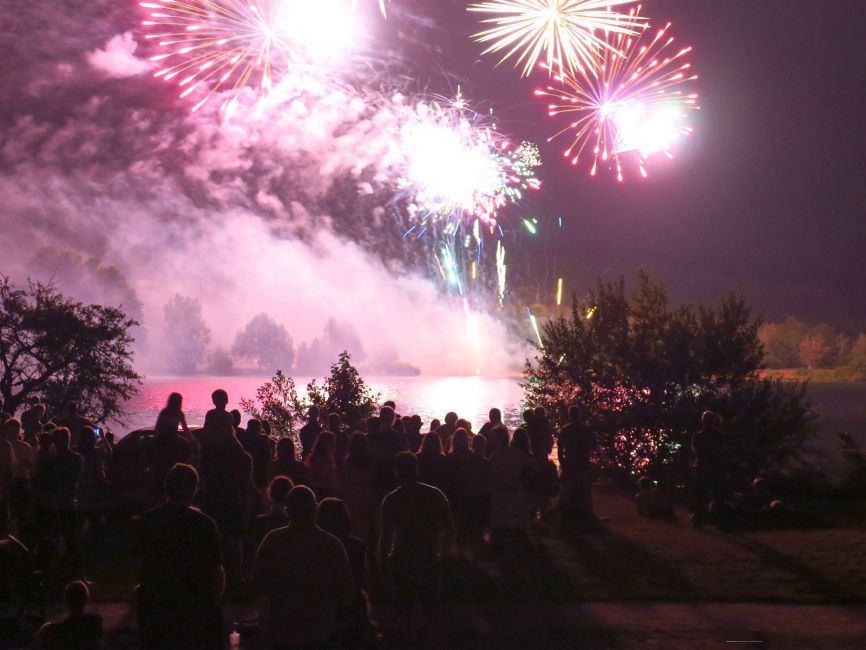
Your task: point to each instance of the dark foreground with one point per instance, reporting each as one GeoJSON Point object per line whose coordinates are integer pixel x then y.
{"type": "Point", "coordinates": [627, 583]}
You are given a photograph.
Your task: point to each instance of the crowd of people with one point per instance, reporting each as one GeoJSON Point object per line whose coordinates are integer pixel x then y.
{"type": "Point", "coordinates": [305, 522]}
{"type": "Point", "coordinates": [301, 521]}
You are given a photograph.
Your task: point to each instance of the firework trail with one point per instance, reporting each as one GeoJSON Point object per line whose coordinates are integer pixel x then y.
{"type": "Point", "coordinates": [637, 104]}
{"type": "Point", "coordinates": [383, 6]}
{"type": "Point", "coordinates": [570, 33]}
{"type": "Point", "coordinates": [211, 46]}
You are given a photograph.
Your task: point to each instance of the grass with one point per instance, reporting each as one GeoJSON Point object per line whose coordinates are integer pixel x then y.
{"type": "Point", "coordinates": [633, 558]}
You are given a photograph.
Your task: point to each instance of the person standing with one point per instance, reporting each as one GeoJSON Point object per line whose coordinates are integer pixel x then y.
{"type": "Point", "coordinates": [310, 431]}
{"type": "Point", "coordinates": [181, 571]}
{"type": "Point", "coordinates": [574, 449]}
{"type": "Point", "coordinates": [20, 492]}
{"type": "Point", "coordinates": [218, 420]}
{"type": "Point", "coordinates": [416, 533]}
{"type": "Point", "coordinates": [708, 451]}
{"type": "Point", "coordinates": [56, 484]}
{"type": "Point", "coordinates": [304, 576]}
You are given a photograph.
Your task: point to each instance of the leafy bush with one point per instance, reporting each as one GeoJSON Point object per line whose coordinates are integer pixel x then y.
{"type": "Point", "coordinates": [343, 392]}
{"type": "Point", "coordinates": [643, 372]}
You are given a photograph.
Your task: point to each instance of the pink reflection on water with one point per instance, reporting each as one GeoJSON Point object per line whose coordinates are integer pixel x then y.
{"type": "Point", "coordinates": [429, 397]}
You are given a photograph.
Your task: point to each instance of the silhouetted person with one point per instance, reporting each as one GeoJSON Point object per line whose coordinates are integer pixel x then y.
{"type": "Point", "coordinates": [79, 630]}
{"type": "Point", "coordinates": [413, 432]}
{"type": "Point", "coordinates": [494, 422]}
{"type": "Point", "coordinates": [332, 516]}
{"type": "Point", "coordinates": [23, 464]}
{"type": "Point", "coordinates": [31, 421]}
{"type": "Point", "coordinates": [341, 438]}
{"type": "Point", "coordinates": [171, 418]}
{"type": "Point", "coordinates": [304, 574]}
{"type": "Point", "coordinates": [321, 468]}
{"type": "Point", "coordinates": [56, 484]}
{"type": "Point", "coordinates": [276, 517]}
{"type": "Point", "coordinates": [417, 532]}
{"type": "Point", "coordinates": [575, 446]}
{"type": "Point", "coordinates": [357, 487]}
{"type": "Point", "coordinates": [432, 466]}
{"type": "Point", "coordinates": [169, 447]}
{"type": "Point", "coordinates": [708, 449]}
{"type": "Point", "coordinates": [513, 471]}
{"type": "Point", "coordinates": [181, 572]}
{"type": "Point", "coordinates": [387, 442]}
{"type": "Point", "coordinates": [286, 464]}
{"type": "Point", "coordinates": [7, 467]}
{"type": "Point", "coordinates": [539, 434]}
{"type": "Point", "coordinates": [652, 501]}
{"type": "Point", "coordinates": [236, 423]}
{"type": "Point", "coordinates": [497, 440]}
{"type": "Point", "coordinates": [95, 454]}
{"type": "Point", "coordinates": [357, 631]}
{"type": "Point", "coordinates": [310, 431]}
{"type": "Point", "coordinates": [218, 421]}
{"type": "Point", "coordinates": [73, 420]}
{"type": "Point", "coordinates": [447, 430]}
{"type": "Point", "coordinates": [258, 446]}
{"type": "Point", "coordinates": [469, 475]}
{"type": "Point", "coordinates": [228, 492]}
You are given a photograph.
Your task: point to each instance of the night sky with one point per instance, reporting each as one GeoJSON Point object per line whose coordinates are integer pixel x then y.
{"type": "Point", "coordinates": [768, 198]}
{"type": "Point", "coordinates": [99, 159]}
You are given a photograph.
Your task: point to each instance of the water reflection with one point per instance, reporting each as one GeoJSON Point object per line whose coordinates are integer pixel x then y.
{"type": "Point", "coordinates": [429, 397]}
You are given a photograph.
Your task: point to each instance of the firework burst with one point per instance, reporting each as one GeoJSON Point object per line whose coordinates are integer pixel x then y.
{"type": "Point", "coordinates": [636, 105]}
{"type": "Point", "coordinates": [228, 45]}
{"type": "Point", "coordinates": [570, 33]}
{"type": "Point", "coordinates": [459, 168]}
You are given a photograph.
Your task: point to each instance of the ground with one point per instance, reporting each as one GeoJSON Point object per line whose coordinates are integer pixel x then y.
{"type": "Point", "coordinates": [633, 582]}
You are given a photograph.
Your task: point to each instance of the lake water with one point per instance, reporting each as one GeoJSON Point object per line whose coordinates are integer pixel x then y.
{"type": "Point", "coordinates": [429, 397]}
{"type": "Point", "coordinates": [842, 406]}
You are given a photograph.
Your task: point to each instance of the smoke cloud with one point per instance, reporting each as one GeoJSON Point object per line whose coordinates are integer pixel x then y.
{"type": "Point", "coordinates": [283, 209]}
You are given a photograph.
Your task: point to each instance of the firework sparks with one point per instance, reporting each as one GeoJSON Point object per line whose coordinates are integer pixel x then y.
{"type": "Point", "coordinates": [534, 322]}
{"type": "Point", "coordinates": [458, 167]}
{"type": "Point", "coordinates": [211, 46]}
{"type": "Point", "coordinates": [637, 105]}
{"type": "Point", "coordinates": [570, 33]}
{"type": "Point", "coordinates": [559, 292]}
{"type": "Point", "coordinates": [501, 271]}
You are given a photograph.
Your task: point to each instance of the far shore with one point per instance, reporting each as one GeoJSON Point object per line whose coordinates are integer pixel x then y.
{"type": "Point", "coordinates": [818, 375]}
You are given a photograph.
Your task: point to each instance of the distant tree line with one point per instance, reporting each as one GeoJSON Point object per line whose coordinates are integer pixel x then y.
{"type": "Point", "coordinates": [264, 343]}
{"type": "Point", "coordinates": [796, 344]}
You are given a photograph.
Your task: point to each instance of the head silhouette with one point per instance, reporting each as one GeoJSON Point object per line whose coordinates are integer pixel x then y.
{"type": "Point", "coordinates": [431, 445]}
{"type": "Point", "coordinates": [460, 442]}
{"type": "Point", "coordinates": [76, 596]}
{"type": "Point", "coordinates": [301, 506]}
{"type": "Point", "coordinates": [220, 399]}
{"type": "Point", "coordinates": [520, 440]}
{"type": "Point", "coordinates": [181, 483]}
{"type": "Point", "coordinates": [279, 489]}
{"type": "Point", "coordinates": [333, 517]}
{"type": "Point", "coordinates": [386, 418]}
{"type": "Point", "coordinates": [495, 416]}
{"type": "Point", "coordinates": [174, 404]}
{"type": "Point", "coordinates": [406, 467]}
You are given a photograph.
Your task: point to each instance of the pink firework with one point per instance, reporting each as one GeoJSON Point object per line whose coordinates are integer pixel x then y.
{"type": "Point", "coordinates": [635, 105]}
